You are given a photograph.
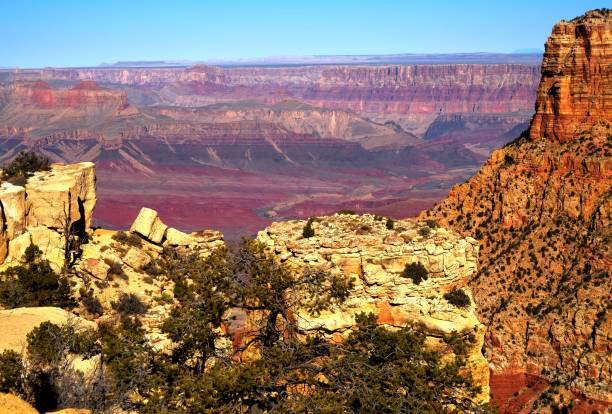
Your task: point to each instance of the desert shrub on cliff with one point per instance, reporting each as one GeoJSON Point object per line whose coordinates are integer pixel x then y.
{"type": "Point", "coordinates": [458, 298]}
{"type": "Point", "coordinates": [270, 366]}
{"type": "Point", "coordinates": [46, 376]}
{"type": "Point", "coordinates": [425, 231]}
{"type": "Point", "coordinates": [131, 239]}
{"type": "Point", "coordinates": [34, 284]}
{"type": "Point", "coordinates": [416, 272]}
{"type": "Point", "coordinates": [129, 304]}
{"type": "Point", "coordinates": [308, 231]}
{"type": "Point", "coordinates": [390, 223]}
{"type": "Point", "coordinates": [11, 370]}
{"type": "Point", "coordinates": [22, 167]}
{"type": "Point", "coordinates": [347, 212]}
{"type": "Point", "coordinates": [92, 304]}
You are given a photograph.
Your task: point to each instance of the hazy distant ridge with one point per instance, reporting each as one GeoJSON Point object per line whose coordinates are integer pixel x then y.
{"type": "Point", "coordinates": [408, 59]}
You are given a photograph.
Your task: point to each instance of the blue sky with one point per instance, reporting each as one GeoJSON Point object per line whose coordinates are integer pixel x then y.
{"type": "Point", "coordinates": [85, 33]}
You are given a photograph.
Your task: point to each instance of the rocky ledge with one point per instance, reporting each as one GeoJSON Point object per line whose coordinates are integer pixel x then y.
{"type": "Point", "coordinates": [363, 247]}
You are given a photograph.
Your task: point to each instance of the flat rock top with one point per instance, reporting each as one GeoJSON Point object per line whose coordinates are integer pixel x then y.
{"type": "Point", "coordinates": [351, 230]}
{"type": "Point", "coordinates": [16, 323]}
{"type": "Point", "coordinates": [12, 404]}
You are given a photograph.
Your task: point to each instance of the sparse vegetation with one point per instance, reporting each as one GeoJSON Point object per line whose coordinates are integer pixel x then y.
{"type": "Point", "coordinates": [92, 304]}
{"type": "Point", "coordinates": [23, 166]}
{"type": "Point", "coordinates": [130, 239]}
{"type": "Point", "coordinates": [424, 231]}
{"type": "Point", "coordinates": [415, 272]}
{"type": "Point", "coordinates": [458, 298]}
{"type": "Point", "coordinates": [129, 304]}
{"type": "Point", "coordinates": [308, 231]}
{"type": "Point", "coordinates": [34, 284]}
{"type": "Point", "coordinates": [347, 212]}
{"type": "Point", "coordinates": [11, 371]}
{"type": "Point", "coordinates": [390, 223]}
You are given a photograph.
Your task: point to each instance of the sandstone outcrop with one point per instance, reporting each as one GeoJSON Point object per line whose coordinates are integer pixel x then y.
{"type": "Point", "coordinates": [16, 323]}
{"type": "Point", "coordinates": [67, 192]}
{"type": "Point", "coordinates": [576, 85]}
{"type": "Point", "coordinates": [363, 247]}
{"type": "Point", "coordinates": [12, 404]}
{"type": "Point", "coordinates": [541, 208]}
{"type": "Point", "coordinates": [38, 213]}
{"type": "Point", "coordinates": [148, 225]}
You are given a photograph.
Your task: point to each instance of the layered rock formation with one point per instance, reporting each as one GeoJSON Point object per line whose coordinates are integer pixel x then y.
{"type": "Point", "coordinates": [576, 87]}
{"type": "Point", "coordinates": [363, 248]}
{"type": "Point", "coordinates": [51, 201]}
{"type": "Point", "coordinates": [172, 157]}
{"type": "Point", "coordinates": [541, 208]}
{"type": "Point", "coordinates": [348, 134]}
{"type": "Point", "coordinates": [412, 95]}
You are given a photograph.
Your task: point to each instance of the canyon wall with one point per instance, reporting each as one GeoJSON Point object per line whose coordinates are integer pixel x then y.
{"type": "Point", "coordinates": [541, 208]}
{"type": "Point", "coordinates": [411, 95]}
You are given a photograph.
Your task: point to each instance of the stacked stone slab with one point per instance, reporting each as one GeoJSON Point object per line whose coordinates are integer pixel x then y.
{"type": "Point", "coordinates": [148, 225]}
{"type": "Point", "coordinates": [363, 248]}
{"type": "Point", "coordinates": [38, 212]}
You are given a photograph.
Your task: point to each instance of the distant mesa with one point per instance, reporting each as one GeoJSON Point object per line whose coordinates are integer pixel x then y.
{"type": "Point", "coordinates": [88, 85]}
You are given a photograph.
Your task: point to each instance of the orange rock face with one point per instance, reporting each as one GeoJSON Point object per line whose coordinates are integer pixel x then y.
{"type": "Point", "coordinates": [541, 208]}
{"type": "Point", "coordinates": [576, 86]}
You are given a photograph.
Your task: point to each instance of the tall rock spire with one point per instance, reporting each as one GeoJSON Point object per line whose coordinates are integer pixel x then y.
{"type": "Point", "coordinates": [576, 85]}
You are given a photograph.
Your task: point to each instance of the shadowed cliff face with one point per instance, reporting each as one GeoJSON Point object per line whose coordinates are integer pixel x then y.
{"type": "Point", "coordinates": [541, 208]}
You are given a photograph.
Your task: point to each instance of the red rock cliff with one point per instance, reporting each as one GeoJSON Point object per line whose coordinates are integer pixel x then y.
{"type": "Point", "coordinates": [542, 210]}
{"type": "Point", "coordinates": [576, 86]}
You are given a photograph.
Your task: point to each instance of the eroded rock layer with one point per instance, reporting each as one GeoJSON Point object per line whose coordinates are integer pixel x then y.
{"type": "Point", "coordinates": [50, 202]}
{"type": "Point", "coordinates": [364, 248]}
{"type": "Point", "coordinates": [541, 208]}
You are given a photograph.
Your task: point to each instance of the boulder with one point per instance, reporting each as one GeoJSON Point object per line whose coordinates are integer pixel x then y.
{"type": "Point", "coordinates": [95, 267]}
{"type": "Point", "coordinates": [207, 236]}
{"type": "Point", "coordinates": [12, 203]}
{"type": "Point", "coordinates": [148, 225]}
{"type": "Point", "coordinates": [136, 258]}
{"type": "Point", "coordinates": [49, 241]}
{"type": "Point", "coordinates": [18, 246]}
{"type": "Point", "coordinates": [175, 237]}
{"type": "Point", "coordinates": [64, 192]}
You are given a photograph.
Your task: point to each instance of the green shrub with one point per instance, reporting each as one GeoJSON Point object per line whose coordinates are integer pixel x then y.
{"type": "Point", "coordinates": [432, 224]}
{"type": "Point", "coordinates": [151, 269]}
{"type": "Point", "coordinates": [11, 371]}
{"type": "Point", "coordinates": [131, 239]}
{"type": "Point", "coordinates": [129, 304]}
{"type": "Point", "coordinates": [416, 272]}
{"type": "Point", "coordinates": [45, 343]}
{"type": "Point", "coordinates": [92, 304]}
{"type": "Point", "coordinates": [390, 223]}
{"type": "Point", "coordinates": [424, 231]}
{"type": "Point", "coordinates": [22, 167]}
{"type": "Point", "coordinates": [308, 231]}
{"type": "Point", "coordinates": [347, 212]}
{"type": "Point", "coordinates": [34, 284]}
{"type": "Point", "coordinates": [458, 298]}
